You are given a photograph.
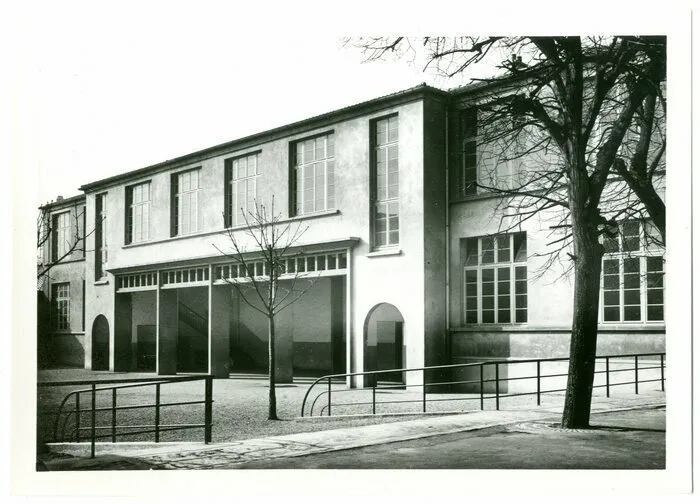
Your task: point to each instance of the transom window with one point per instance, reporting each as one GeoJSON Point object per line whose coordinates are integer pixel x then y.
{"type": "Point", "coordinates": [385, 211]}
{"type": "Point", "coordinates": [633, 277]}
{"type": "Point", "coordinates": [61, 235]}
{"type": "Point", "coordinates": [138, 210]}
{"type": "Point", "coordinates": [495, 279]}
{"type": "Point", "coordinates": [61, 306]}
{"type": "Point", "coordinates": [241, 188]}
{"type": "Point", "coordinates": [185, 202]}
{"type": "Point", "coordinates": [314, 174]}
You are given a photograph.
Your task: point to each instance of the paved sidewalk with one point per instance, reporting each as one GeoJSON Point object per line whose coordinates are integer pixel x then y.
{"type": "Point", "coordinates": [235, 454]}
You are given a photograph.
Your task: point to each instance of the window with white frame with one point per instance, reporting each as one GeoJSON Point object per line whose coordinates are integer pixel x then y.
{"type": "Point", "coordinates": [60, 297]}
{"type": "Point", "coordinates": [495, 279]}
{"type": "Point", "coordinates": [100, 235]}
{"type": "Point", "coordinates": [241, 188]}
{"type": "Point", "coordinates": [61, 235]}
{"type": "Point", "coordinates": [385, 172]}
{"type": "Point", "coordinates": [492, 164]}
{"type": "Point", "coordinates": [633, 276]}
{"type": "Point", "coordinates": [314, 174]}
{"type": "Point", "coordinates": [185, 203]}
{"type": "Point", "coordinates": [138, 212]}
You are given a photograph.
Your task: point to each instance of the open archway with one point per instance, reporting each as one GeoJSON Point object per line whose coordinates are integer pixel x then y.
{"type": "Point", "coordinates": [100, 344]}
{"type": "Point", "coordinates": [383, 342]}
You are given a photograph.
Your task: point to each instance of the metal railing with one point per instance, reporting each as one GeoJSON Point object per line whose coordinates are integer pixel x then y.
{"type": "Point", "coordinates": [78, 431]}
{"type": "Point", "coordinates": [482, 395]}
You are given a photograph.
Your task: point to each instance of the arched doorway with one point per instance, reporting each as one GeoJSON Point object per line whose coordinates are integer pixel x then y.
{"type": "Point", "coordinates": [100, 344]}
{"type": "Point", "coordinates": [383, 343]}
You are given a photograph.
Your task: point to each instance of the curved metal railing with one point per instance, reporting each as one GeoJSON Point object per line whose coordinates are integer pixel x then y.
{"type": "Point", "coordinates": [497, 381]}
{"type": "Point", "coordinates": [63, 415]}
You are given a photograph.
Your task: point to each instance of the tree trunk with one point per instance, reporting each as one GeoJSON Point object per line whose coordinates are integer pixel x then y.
{"type": "Point", "coordinates": [272, 409]}
{"type": "Point", "coordinates": [584, 329]}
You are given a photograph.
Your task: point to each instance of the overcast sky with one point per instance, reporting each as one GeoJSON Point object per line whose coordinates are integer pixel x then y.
{"type": "Point", "coordinates": [98, 91]}
{"type": "Point", "coordinates": [110, 92]}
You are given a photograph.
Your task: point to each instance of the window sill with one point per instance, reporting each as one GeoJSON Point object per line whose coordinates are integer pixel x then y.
{"type": "Point", "coordinates": [385, 252]}
{"type": "Point", "coordinates": [101, 282]}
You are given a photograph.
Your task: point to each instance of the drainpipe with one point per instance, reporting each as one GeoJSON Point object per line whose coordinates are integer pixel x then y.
{"type": "Point", "coordinates": [448, 343]}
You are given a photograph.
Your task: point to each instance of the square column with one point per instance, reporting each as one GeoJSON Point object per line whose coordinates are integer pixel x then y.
{"type": "Point", "coordinates": [121, 354]}
{"type": "Point", "coordinates": [166, 332]}
{"type": "Point", "coordinates": [220, 305]}
{"type": "Point", "coordinates": [284, 347]}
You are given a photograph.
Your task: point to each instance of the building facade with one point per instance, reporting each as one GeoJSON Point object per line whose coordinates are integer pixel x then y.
{"type": "Point", "coordinates": [407, 271]}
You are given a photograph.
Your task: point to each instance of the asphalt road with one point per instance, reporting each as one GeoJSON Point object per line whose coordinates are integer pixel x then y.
{"type": "Point", "coordinates": [619, 440]}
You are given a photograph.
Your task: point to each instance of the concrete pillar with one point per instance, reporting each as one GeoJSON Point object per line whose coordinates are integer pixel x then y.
{"type": "Point", "coordinates": [220, 305]}
{"type": "Point", "coordinates": [166, 332]}
{"type": "Point", "coordinates": [284, 347]}
{"type": "Point", "coordinates": [120, 356]}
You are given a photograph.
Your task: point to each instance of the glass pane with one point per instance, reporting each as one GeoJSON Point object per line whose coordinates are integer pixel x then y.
{"type": "Point", "coordinates": [611, 314]}
{"type": "Point", "coordinates": [520, 287]}
{"type": "Point", "coordinates": [631, 265]}
{"type": "Point", "coordinates": [655, 280]}
{"type": "Point", "coordinates": [655, 296]}
{"type": "Point", "coordinates": [611, 298]}
{"type": "Point", "coordinates": [521, 301]}
{"type": "Point", "coordinates": [487, 250]}
{"type": "Point", "coordinates": [503, 302]}
{"type": "Point", "coordinates": [471, 317]}
{"type": "Point", "coordinates": [487, 275]}
{"type": "Point", "coordinates": [472, 252]}
{"type": "Point", "coordinates": [631, 297]}
{"type": "Point", "coordinates": [521, 315]}
{"type": "Point", "coordinates": [611, 282]}
{"type": "Point", "coordinates": [631, 281]}
{"type": "Point", "coordinates": [633, 313]}
{"type": "Point", "coordinates": [521, 273]}
{"type": "Point", "coordinates": [520, 247]}
{"type": "Point", "coordinates": [611, 266]}
{"type": "Point", "coordinates": [393, 129]}
{"type": "Point", "coordinates": [504, 316]}
{"type": "Point", "coordinates": [487, 317]}
{"type": "Point", "coordinates": [471, 303]}
{"type": "Point", "coordinates": [655, 313]}
{"type": "Point", "coordinates": [503, 244]}
{"type": "Point", "coordinates": [655, 264]}
{"type": "Point", "coordinates": [487, 303]}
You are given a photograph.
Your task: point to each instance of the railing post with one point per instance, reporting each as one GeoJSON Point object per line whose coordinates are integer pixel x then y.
{"type": "Point", "coordinates": [538, 383]}
{"type": "Point", "coordinates": [636, 374]}
{"type": "Point", "coordinates": [157, 412]}
{"type": "Point", "coordinates": [607, 376]}
{"type": "Point", "coordinates": [208, 389]}
{"type": "Point", "coordinates": [662, 372]}
{"type": "Point", "coordinates": [92, 423]}
{"type": "Point", "coordinates": [374, 397]}
{"type": "Point", "coordinates": [424, 387]}
{"type": "Point", "coordinates": [77, 417]}
{"type": "Point", "coordinates": [114, 415]}
{"type": "Point", "coordinates": [481, 385]}
{"type": "Point", "coordinates": [329, 396]}
{"type": "Point", "coordinates": [497, 391]}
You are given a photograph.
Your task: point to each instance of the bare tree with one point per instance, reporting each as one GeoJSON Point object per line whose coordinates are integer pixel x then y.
{"type": "Point", "coordinates": [264, 280]}
{"type": "Point", "coordinates": [54, 247]}
{"type": "Point", "coordinates": [576, 112]}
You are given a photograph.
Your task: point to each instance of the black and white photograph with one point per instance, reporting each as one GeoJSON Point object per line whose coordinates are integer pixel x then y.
{"type": "Point", "coordinates": [275, 245]}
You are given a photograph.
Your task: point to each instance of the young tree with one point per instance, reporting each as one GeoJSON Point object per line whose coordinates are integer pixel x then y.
{"type": "Point", "coordinates": [264, 281]}
{"type": "Point", "coordinates": [565, 107]}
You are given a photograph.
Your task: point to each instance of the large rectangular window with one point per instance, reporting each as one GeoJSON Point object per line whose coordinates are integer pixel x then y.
{"type": "Point", "coordinates": [385, 186]}
{"type": "Point", "coordinates": [100, 235]}
{"type": "Point", "coordinates": [490, 156]}
{"type": "Point", "coordinates": [240, 181]}
{"type": "Point", "coordinates": [313, 180]}
{"type": "Point", "coordinates": [495, 279]}
{"type": "Point", "coordinates": [61, 236]}
{"type": "Point", "coordinates": [633, 277]}
{"type": "Point", "coordinates": [60, 299]}
{"type": "Point", "coordinates": [138, 212]}
{"type": "Point", "coordinates": [184, 217]}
